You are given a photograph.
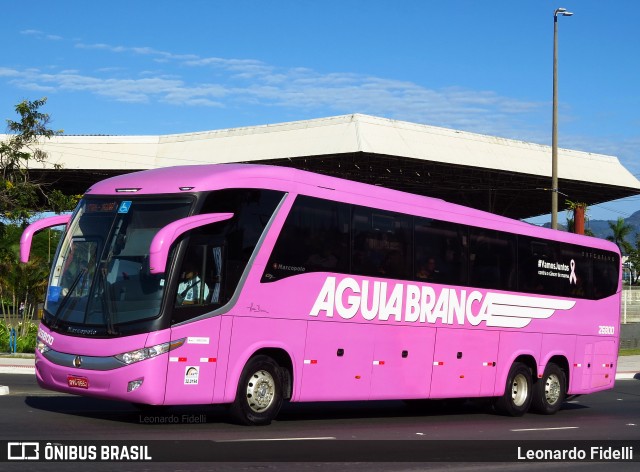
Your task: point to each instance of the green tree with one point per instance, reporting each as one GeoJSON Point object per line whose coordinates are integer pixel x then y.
{"type": "Point", "coordinates": [634, 261]}
{"type": "Point", "coordinates": [20, 195]}
{"type": "Point", "coordinates": [620, 230]}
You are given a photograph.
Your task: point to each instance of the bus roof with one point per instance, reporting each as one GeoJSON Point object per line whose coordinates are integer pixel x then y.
{"type": "Point", "coordinates": [200, 178]}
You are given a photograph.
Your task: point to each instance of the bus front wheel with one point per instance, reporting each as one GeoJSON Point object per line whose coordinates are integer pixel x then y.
{"type": "Point", "coordinates": [518, 391]}
{"type": "Point", "coordinates": [259, 395]}
{"type": "Point", "coordinates": [549, 391]}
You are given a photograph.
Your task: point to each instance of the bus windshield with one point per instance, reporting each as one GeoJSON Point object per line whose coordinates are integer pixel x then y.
{"type": "Point", "coordinates": [101, 276]}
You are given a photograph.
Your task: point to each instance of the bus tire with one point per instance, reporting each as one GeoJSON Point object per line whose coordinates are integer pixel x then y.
{"type": "Point", "coordinates": [259, 395]}
{"type": "Point", "coordinates": [550, 391]}
{"type": "Point", "coordinates": [518, 392]}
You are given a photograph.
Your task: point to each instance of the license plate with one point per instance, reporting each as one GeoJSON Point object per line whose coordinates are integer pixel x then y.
{"type": "Point", "coordinates": [77, 382]}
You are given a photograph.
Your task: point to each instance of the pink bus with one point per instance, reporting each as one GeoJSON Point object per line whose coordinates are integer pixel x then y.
{"type": "Point", "coordinates": [250, 285]}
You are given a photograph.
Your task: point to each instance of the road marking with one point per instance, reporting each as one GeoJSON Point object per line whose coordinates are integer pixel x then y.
{"type": "Point", "coordinates": [17, 369]}
{"type": "Point", "coordinates": [545, 429]}
{"type": "Point", "coordinates": [326, 438]}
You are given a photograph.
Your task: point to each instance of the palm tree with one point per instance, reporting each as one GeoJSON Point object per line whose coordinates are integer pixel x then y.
{"type": "Point", "coordinates": [24, 283]}
{"type": "Point", "coordinates": [620, 232]}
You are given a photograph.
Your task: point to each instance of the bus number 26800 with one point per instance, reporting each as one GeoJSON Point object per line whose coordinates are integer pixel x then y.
{"type": "Point", "coordinates": [606, 329]}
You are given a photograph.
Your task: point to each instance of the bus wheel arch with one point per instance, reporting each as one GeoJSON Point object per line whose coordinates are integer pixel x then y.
{"type": "Point", "coordinates": [283, 359]}
{"type": "Point", "coordinates": [550, 391]}
{"type": "Point", "coordinates": [518, 393]}
{"type": "Point", "coordinates": [262, 387]}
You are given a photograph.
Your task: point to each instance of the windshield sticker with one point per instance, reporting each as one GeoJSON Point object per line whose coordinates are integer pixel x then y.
{"type": "Point", "coordinates": [124, 207]}
{"type": "Point", "coordinates": [191, 375]}
{"type": "Point", "coordinates": [53, 293]}
{"type": "Point", "coordinates": [558, 269]}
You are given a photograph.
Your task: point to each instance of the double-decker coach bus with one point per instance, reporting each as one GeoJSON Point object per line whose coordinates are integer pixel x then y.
{"type": "Point", "coordinates": [249, 285]}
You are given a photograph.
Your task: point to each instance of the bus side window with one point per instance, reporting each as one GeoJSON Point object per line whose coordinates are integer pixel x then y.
{"type": "Point", "coordinates": [531, 257]}
{"type": "Point", "coordinates": [217, 254]}
{"type": "Point", "coordinates": [381, 243]}
{"type": "Point", "coordinates": [195, 278]}
{"type": "Point", "coordinates": [440, 252]}
{"type": "Point", "coordinates": [605, 275]}
{"type": "Point", "coordinates": [314, 238]}
{"type": "Point", "coordinates": [492, 259]}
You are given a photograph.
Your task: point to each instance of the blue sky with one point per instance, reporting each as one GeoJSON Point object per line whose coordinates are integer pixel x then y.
{"type": "Point", "coordinates": [162, 67]}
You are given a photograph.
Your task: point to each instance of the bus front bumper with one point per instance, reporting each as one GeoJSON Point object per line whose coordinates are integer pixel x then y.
{"type": "Point", "coordinates": [141, 382]}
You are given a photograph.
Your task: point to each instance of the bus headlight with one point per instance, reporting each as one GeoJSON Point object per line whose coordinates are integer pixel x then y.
{"type": "Point", "coordinates": [148, 352]}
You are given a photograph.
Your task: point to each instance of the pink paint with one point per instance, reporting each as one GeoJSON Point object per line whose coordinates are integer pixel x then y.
{"type": "Point", "coordinates": [346, 337]}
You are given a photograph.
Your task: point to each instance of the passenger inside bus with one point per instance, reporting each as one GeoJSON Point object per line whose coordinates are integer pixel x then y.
{"type": "Point", "coordinates": [427, 270]}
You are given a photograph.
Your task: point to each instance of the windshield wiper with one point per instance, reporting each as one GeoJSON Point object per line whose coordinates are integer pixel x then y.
{"type": "Point", "coordinates": [56, 317]}
{"type": "Point", "coordinates": [108, 305]}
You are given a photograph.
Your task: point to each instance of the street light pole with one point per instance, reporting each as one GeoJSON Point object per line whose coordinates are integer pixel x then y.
{"type": "Point", "coordinates": [554, 125]}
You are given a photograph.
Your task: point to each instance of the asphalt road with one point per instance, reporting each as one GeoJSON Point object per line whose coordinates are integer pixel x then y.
{"type": "Point", "coordinates": [389, 433]}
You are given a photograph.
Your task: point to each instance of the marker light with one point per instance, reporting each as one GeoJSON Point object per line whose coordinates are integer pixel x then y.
{"type": "Point", "coordinates": [127, 190]}
{"type": "Point", "coordinates": [145, 353]}
{"type": "Point", "coordinates": [42, 347]}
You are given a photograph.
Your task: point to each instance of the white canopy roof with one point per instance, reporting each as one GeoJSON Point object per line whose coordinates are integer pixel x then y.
{"type": "Point", "coordinates": [334, 135]}
{"type": "Point", "coordinates": [500, 175]}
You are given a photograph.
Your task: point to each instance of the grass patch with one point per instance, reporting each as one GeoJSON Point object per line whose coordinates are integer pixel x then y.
{"type": "Point", "coordinates": [629, 352]}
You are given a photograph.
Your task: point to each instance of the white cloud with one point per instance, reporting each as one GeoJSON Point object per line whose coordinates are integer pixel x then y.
{"type": "Point", "coordinates": [6, 72]}
{"type": "Point", "coordinates": [190, 80]}
{"type": "Point", "coordinates": [41, 35]}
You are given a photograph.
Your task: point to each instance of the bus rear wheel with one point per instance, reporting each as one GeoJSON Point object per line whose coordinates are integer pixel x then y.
{"type": "Point", "coordinates": [549, 392]}
{"type": "Point", "coordinates": [518, 392]}
{"type": "Point", "coordinates": [259, 395]}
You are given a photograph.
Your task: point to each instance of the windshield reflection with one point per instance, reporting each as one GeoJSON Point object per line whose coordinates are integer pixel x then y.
{"type": "Point", "coordinates": [101, 273]}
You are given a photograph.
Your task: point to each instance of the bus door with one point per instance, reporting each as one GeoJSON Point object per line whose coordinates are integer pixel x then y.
{"type": "Point", "coordinates": [192, 367]}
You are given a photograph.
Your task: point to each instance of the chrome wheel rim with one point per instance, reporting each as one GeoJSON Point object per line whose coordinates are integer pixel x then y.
{"type": "Point", "coordinates": [552, 389]}
{"type": "Point", "coordinates": [519, 390]}
{"type": "Point", "coordinates": [261, 390]}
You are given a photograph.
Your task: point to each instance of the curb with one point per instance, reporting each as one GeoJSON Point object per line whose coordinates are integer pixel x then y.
{"type": "Point", "coordinates": [17, 369]}
{"type": "Point", "coordinates": [627, 375]}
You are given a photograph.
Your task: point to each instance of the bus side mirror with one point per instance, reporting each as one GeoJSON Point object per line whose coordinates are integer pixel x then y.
{"type": "Point", "coordinates": [33, 228]}
{"type": "Point", "coordinates": [162, 241]}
